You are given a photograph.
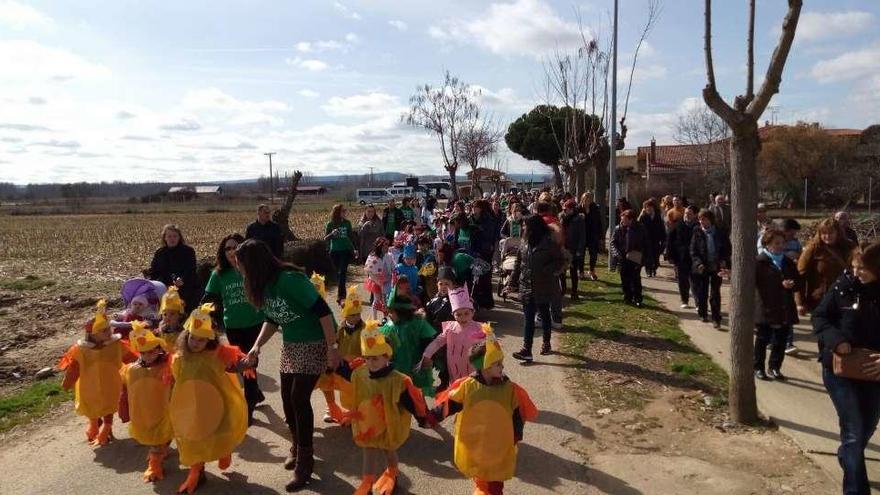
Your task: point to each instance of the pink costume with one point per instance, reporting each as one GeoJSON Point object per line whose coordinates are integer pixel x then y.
{"type": "Point", "coordinates": [457, 338]}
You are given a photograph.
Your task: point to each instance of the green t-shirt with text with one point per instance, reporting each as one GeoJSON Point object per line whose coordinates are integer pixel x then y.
{"type": "Point", "coordinates": [289, 304]}
{"type": "Point", "coordinates": [238, 312]}
{"type": "Point", "coordinates": [341, 241]}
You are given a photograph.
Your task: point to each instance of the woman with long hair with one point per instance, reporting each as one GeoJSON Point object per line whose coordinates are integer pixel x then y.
{"type": "Point", "coordinates": [174, 263]}
{"type": "Point", "coordinates": [241, 321]}
{"type": "Point", "coordinates": [292, 304]}
{"type": "Point", "coordinates": [825, 257]}
{"type": "Point", "coordinates": [339, 233]}
{"type": "Point", "coordinates": [369, 229]}
{"type": "Point", "coordinates": [537, 270]}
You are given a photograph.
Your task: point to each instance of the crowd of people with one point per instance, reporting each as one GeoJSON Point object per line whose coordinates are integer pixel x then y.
{"type": "Point", "coordinates": [428, 279]}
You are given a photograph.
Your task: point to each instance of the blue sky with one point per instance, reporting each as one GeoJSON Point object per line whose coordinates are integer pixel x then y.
{"type": "Point", "coordinates": [198, 90]}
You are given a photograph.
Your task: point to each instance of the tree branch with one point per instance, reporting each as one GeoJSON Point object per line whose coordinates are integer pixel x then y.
{"type": "Point", "coordinates": [773, 78]}
{"type": "Point", "coordinates": [750, 81]}
{"type": "Point", "coordinates": [710, 92]}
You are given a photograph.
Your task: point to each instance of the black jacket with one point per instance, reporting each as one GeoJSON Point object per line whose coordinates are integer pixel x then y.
{"type": "Point", "coordinates": [627, 239]}
{"type": "Point", "coordinates": [574, 226]}
{"type": "Point", "coordinates": [849, 312]}
{"type": "Point", "coordinates": [180, 261]}
{"type": "Point", "coordinates": [438, 310]}
{"type": "Point", "coordinates": [268, 232]}
{"type": "Point", "coordinates": [678, 244]}
{"type": "Point", "coordinates": [776, 304]}
{"type": "Point", "coordinates": [537, 269]}
{"type": "Point", "coordinates": [700, 251]}
{"type": "Point", "coordinates": [485, 232]}
{"type": "Point", "coordinates": [593, 225]}
{"type": "Point", "coordinates": [656, 230]}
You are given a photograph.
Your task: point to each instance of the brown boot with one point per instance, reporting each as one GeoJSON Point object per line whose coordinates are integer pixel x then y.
{"type": "Point", "coordinates": [302, 473]}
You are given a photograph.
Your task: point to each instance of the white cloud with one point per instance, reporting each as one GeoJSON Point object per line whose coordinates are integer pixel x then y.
{"type": "Point", "coordinates": [318, 46]}
{"type": "Point", "coordinates": [346, 12]}
{"type": "Point", "coordinates": [817, 26]}
{"type": "Point", "coordinates": [308, 93]}
{"type": "Point", "coordinates": [183, 124]}
{"type": "Point", "coordinates": [398, 25]}
{"type": "Point", "coordinates": [313, 65]}
{"type": "Point", "coordinates": [525, 27]}
{"type": "Point", "coordinates": [363, 105]}
{"type": "Point", "coordinates": [19, 17]}
{"type": "Point", "coordinates": [29, 62]}
{"type": "Point", "coordinates": [214, 99]}
{"type": "Point", "coordinates": [848, 66]}
{"type": "Point", "coordinates": [352, 38]}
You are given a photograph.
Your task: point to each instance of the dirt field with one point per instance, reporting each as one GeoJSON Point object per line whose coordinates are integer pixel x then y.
{"type": "Point", "coordinates": [54, 267]}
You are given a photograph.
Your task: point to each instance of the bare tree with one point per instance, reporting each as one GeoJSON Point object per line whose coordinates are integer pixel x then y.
{"type": "Point", "coordinates": [479, 141]}
{"type": "Point", "coordinates": [281, 216]}
{"type": "Point", "coordinates": [444, 111]}
{"type": "Point", "coordinates": [699, 126]}
{"type": "Point", "coordinates": [742, 118]}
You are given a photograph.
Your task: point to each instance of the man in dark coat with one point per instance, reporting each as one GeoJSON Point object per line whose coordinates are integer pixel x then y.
{"type": "Point", "coordinates": [678, 251]}
{"type": "Point", "coordinates": [264, 229]}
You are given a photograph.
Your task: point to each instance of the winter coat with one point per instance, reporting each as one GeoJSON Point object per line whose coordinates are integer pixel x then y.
{"type": "Point", "coordinates": [656, 230]}
{"type": "Point", "coordinates": [178, 261]}
{"type": "Point", "coordinates": [593, 225]}
{"type": "Point", "coordinates": [775, 303]}
{"type": "Point", "coordinates": [268, 232]}
{"type": "Point", "coordinates": [370, 230]}
{"type": "Point", "coordinates": [678, 244]}
{"type": "Point", "coordinates": [485, 232]}
{"type": "Point", "coordinates": [537, 268]}
{"type": "Point", "coordinates": [820, 266]}
{"type": "Point", "coordinates": [700, 251]}
{"type": "Point", "coordinates": [574, 227]}
{"type": "Point", "coordinates": [628, 239]}
{"type": "Point", "coordinates": [848, 312]}
{"type": "Point", "coordinates": [722, 216]}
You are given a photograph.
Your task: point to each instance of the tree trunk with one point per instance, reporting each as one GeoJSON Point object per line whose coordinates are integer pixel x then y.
{"type": "Point", "coordinates": [282, 215]}
{"type": "Point", "coordinates": [580, 184]}
{"type": "Point", "coordinates": [557, 176]}
{"type": "Point", "coordinates": [744, 201]}
{"type": "Point", "coordinates": [453, 183]}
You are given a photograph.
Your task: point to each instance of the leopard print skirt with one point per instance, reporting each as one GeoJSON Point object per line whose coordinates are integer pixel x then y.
{"type": "Point", "coordinates": [307, 358]}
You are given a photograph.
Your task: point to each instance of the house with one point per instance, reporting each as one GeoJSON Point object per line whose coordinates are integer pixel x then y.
{"type": "Point", "coordinates": [487, 179]}
{"type": "Point", "coordinates": [208, 190]}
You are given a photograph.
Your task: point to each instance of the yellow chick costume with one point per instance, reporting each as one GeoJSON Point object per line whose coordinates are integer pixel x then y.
{"type": "Point", "coordinates": [485, 444]}
{"type": "Point", "coordinates": [171, 301]}
{"type": "Point", "coordinates": [349, 341]}
{"type": "Point", "coordinates": [208, 410]}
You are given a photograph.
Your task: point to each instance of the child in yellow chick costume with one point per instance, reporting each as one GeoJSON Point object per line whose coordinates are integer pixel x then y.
{"type": "Point", "coordinates": [171, 311]}
{"type": "Point", "coordinates": [148, 384]}
{"type": "Point", "coordinates": [386, 399]}
{"type": "Point", "coordinates": [92, 368]}
{"type": "Point", "coordinates": [348, 338]}
{"type": "Point", "coordinates": [208, 409]}
{"type": "Point", "coordinates": [491, 413]}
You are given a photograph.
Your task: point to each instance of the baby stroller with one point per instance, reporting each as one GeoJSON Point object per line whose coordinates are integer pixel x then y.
{"type": "Point", "coordinates": [509, 253]}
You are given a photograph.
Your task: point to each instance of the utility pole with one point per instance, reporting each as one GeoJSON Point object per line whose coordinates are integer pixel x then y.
{"type": "Point", "coordinates": [371, 176]}
{"type": "Point", "coordinates": [612, 165]}
{"type": "Point", "coordinates": [271, 179]}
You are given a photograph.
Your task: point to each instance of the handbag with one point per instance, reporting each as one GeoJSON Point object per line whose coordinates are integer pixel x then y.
{"type": "Point", "coordinates": [851, 365]}
{"type": "Point", "coordinates": [635, 257]}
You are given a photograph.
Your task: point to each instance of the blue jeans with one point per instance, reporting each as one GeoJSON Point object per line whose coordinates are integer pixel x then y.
{"type": "Point", "coordinates": [858, 410]}
{"type": "Point", "coordinates": [530, 308]}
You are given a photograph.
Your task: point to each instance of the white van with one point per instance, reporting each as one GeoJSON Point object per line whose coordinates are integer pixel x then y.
{"type": "Point", "coordinates": [400, 192]}
{"type": "Point", "coordinates": [441, 190]}
{"type": "Point", "coordinates": [368, 195]}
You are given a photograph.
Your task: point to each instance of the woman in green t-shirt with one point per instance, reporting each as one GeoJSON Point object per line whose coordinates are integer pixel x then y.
{"type": "Point", "coordinates": [241, 321]}
{"type": "Point", "coordinates": [292, 303]}
{"type": "Point", "coordinates": [339, 233]}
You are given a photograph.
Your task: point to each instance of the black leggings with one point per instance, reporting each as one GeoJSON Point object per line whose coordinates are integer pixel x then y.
{"type": "Point", "coordinates": [244, 339]}
{"type": "Point", "coordinates": [296, 393]}
{"type": "Point", "coordinates": [341, 260]}
{"type": "Point", "coordinates": [593, 250]}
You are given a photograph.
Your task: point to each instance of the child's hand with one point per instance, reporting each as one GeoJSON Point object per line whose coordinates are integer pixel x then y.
{"type": "Point", "coordinates": [788, 283]}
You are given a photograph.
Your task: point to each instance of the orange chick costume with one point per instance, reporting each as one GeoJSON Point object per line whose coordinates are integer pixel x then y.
{"type": "Point", "coordinates": [208, 409]}
{"type": "Point", "coordinates": [489, 421]}
{"type": "Point", "coordinates": [349, 342]}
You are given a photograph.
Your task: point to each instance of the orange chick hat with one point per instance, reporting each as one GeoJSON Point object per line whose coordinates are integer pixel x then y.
{"type": "Point", "coordinates": [171, 301]}
{"type": "Point", "coordinates": [373, 342]}
{"type": "Point", "coordinates": [353, 302]}
{"type": "Point", "coordinates": [99, 321]}
{"type": "Point", "coordinates": [318, 281]}
{"type": "Point", "coordinates": [200, 323]}
{"type": "Point", "coordinates": [143, 339]}
{"type": "Point", "coordinates": [493, 355]}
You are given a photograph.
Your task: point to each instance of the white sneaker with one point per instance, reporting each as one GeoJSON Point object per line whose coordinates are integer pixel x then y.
{"type": "Point", "coordinates": [791, 350]}
{"type": "Point", "coordinates": [685, 305]}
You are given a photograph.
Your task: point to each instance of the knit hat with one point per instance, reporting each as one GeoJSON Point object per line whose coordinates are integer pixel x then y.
{"type": "Point", "coordinates": [318, 281]}
{"type": "Point", "coordinates": [493, 353]}
{"type": "Point", "coordinates": [352, 304]}
{"type": "Point", "coordinates": [143, 339]}
{"type": "Point", "coordinates": [460, 299]}
{"type": "Point", "coordinates": [446, 273]}
{"type": "Point", "coordinates": [171, 301]}
{"type": "Point", "coordinates": [200, 324]}
{"type": "Point", "coordinates": [409, 251]}
{"type": "Point", "coordinates": [373, 341]}
{"type": "Point", "coordinates": [99, 321]}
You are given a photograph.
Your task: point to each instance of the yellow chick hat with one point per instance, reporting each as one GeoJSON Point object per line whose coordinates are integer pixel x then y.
{"type": "Point", "coordinates": [318, 281]}
{"type": "Point", "coordinates": [143, 339]}
{"type": "Point", "coordinates": [373, 342]}
{"type": "Point", "coordinates": [428, 269]}
{"type": "Point", "coordinates": [200, 323]}
{"type": "Point", "coordinates": [353, 302]}
{"type": "Point", "coordinates": [99, 322]}
{"type": "Point", "coordinates": [171, 301]}
{"type": "Point", "coordinates": [493, 355]}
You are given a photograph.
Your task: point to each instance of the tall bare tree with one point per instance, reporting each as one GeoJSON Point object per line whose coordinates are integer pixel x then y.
{"type": "Point", "coordinates": [479, 141]}
{"type": "Point", "coordinates": [445, 111]}
{"type": "Point", "coordinates": [281, 216]}
{"type": "Point", "coordinates": [742, 118]}
{"type": "Point", "coordinates": [700, 126]}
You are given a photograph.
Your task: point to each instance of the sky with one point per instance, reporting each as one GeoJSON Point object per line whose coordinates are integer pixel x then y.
{"type": "Point", "coordinates": [198, 90]}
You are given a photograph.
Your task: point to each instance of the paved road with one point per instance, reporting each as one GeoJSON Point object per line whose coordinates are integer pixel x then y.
{"type": "Point", "coordinates": [800, 406]}
{"type": "Point", "coordinates": [55, 459]}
